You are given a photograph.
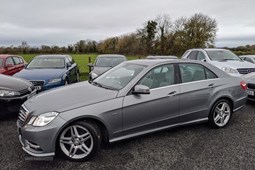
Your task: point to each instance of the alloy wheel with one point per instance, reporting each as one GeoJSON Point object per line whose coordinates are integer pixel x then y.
{"type": "Point", "coordinates": [76, 142]}
{"type": "Point", "coordinates": [222, 114]}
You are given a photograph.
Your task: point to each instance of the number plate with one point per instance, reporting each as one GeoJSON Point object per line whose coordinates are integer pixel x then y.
{"type": "Point", "coordinates": [250, 92]}
{"type": "Point", "coordinates": [38, 87]}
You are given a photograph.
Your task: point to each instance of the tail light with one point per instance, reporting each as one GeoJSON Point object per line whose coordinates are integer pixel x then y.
{"type": "Point", "coordinates": [243, 85]}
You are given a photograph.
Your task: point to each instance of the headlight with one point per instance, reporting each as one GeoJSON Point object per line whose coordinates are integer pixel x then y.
{"type": "Point", "coordinates": [57, 80]}
{"type": "Point", "coordinates": [93, 75]}
{"type": "Point", "coordinates": [43, 119]}
{"type": "Point", "coordinates": [229, 70]}
{"type": "Point", "coordinates": [8, 93]}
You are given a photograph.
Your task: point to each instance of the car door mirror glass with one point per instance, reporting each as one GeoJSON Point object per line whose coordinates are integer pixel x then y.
{"type": "Point", "coordinates": [68, 65]}
{"type": "Point", "coordinates": [141, 89]}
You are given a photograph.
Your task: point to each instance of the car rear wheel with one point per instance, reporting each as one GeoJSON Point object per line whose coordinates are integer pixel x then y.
{"type": "Point", "coordinates": [221, 113]}
{"type": "Point", "coordinates": [80, 141]}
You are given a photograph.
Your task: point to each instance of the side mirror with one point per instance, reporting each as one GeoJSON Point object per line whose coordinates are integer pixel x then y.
{"type": "Point", "coordinates": [90, 65]}
{"type": "Point", "coordinates": [9, 65]}
{"type": "Point", "coordinates": [141, 89]}
{"type": "Point", "coordinates": [68, 65]}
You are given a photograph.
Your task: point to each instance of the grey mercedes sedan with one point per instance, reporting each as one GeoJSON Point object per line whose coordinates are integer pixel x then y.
{"type": "Point", "coordinates": [134, 98]}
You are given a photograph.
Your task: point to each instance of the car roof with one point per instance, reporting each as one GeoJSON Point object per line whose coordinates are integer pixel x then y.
{"type": "Point", "coordinates": [247, 56]}
{"type": "Point", "coordinates": [162, 57]}
{"type": "Point", "coordinates": [52, 55]}
{"type": "Point", "coordinates": [7, 55]}
{"type": "Point", "coordinates": [210, 49]}
{"type": "Point", "coordinates": [111, 55]}
{"type": "Point", "coordinates": [149, 62]}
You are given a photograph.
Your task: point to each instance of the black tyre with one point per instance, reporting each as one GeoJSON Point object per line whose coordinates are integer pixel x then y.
{"type": "Point", "coordinates": [80, 141]}
{"type": "Point", "coordinates": [220, 114]}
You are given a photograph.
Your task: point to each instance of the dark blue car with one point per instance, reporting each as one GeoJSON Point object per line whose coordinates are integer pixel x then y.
{"type": "Point", "coordinates": [50, 71]}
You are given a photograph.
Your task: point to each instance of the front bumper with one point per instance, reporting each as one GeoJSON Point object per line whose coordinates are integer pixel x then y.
{"type": "Point", "coordinates": [40, 141]}
{"type": "Point", "coordinates": [13, 103]}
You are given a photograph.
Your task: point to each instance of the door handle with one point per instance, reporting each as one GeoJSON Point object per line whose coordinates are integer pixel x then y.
{"type": "Point", "coordinates": [211, 85]}
{"type": "Point", "coordinates": [173, 93]}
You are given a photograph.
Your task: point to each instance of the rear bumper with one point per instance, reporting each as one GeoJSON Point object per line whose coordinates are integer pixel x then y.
{"type": "Point", "coordinates": [240, 103]}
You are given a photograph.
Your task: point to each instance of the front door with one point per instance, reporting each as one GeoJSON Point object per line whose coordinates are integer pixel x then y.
{"type": "Point", "coordinates": [159, 109]}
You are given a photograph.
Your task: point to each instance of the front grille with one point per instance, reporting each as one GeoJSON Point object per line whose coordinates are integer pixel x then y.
{"type": "Point", "coordinates": [27, 90]}
{"type": "Point", "coordinates": [23, 113]}
{"type": "Point", "coordinates": [246, 70]}
{"type": "Point", "coordinates": [251, 86]}
{"type": "Point", "coordinates": [37, 83]}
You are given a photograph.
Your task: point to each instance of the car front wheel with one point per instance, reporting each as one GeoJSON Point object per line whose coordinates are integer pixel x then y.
{"type": "Point", "coordinates": [220, 114]}
{"type": "Point", "coordinates": [80, 141]}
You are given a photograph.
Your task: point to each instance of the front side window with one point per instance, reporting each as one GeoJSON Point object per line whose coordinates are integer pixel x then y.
{"type": "Point", "coordinates": [159, 77]}
{"type": "Point", "coordinates": [16, 60]}
{"type": "Point", "coordinates": [118, 77]}
{"type": "Point", "coordinates": [47, 63]}
{"type": "Point", "coordinates": [192, 55]}
{"type": "Point", "coordinates": [200, 56]}
{"type": "Point", "coordinates": [9, 61]}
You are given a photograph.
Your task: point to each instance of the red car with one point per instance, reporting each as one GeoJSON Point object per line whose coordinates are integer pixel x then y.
{"type": "Point", "coordinates": [11, 64]}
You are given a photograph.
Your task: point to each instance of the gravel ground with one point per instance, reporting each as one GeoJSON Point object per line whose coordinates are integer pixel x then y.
{"type": "Point", "coordinates": [190, 147]}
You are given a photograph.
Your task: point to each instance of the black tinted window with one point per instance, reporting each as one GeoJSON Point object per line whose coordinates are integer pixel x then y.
{"type": "Point", "coordinates": [193, 55]}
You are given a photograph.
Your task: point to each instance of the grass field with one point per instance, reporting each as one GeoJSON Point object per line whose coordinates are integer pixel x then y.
{"type": "Point", "coordinates": [81, 59]}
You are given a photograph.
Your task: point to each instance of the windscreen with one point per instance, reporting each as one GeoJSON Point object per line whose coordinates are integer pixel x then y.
{"type": "Point", "coordinates": [41, 63]}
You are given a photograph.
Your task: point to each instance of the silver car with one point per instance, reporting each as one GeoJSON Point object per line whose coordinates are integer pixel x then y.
{"type": "Point", "coordinates": [134, 98]}
{"type": "Point", "coordinates": [248, 58]}
{"type": "Point", "coordinates": [221, 58]}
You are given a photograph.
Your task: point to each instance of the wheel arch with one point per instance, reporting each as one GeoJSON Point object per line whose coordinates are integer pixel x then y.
{"type": "Point", "coordinates": [103, 128]}
{"type": "Point", "coordinates": [228, 98]}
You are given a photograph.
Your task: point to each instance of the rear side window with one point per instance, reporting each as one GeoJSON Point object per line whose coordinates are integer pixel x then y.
{"type": "Point", "coordinates": [195, 72]}
{"type": "Point", "coordinates": [192, 55]}
{"type": "Point", "coordinates": [210, 74]}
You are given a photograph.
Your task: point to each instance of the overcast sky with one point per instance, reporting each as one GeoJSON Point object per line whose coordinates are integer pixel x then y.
{"type": "Point", "coordinates": [63, 22]}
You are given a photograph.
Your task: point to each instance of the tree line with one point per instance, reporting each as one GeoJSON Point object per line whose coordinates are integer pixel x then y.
{"type": "Point", "coordinates": [159, 36]}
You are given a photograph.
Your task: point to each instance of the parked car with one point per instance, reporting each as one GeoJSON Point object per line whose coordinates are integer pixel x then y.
{"type": "Point", "coordinates": [11, 64]}
{"type": "Point", "coordinates": [221, 58]}
{"type": "Point", "coordinates": [104, 63]}
{"type": "Point", "coordinates": [248, 58]}
{"type": "Point", "coordinates": [14, 92]}
{"type": "Point", "coordinates": [131, 99]}
{"type": "Point", "coordinates": [50, 71]}
{"type": "Point", "coordinates": [250, 79]}
{"type": "Point", "coordinates": [162, 57]}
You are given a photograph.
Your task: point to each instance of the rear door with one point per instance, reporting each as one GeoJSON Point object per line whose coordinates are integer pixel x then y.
{"type": "Point", "coordinates": [147, 112]}
{"type": "Point", "coordinates": [195, 91]}
{"type": "Point", "coordinates": [10, 68]}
